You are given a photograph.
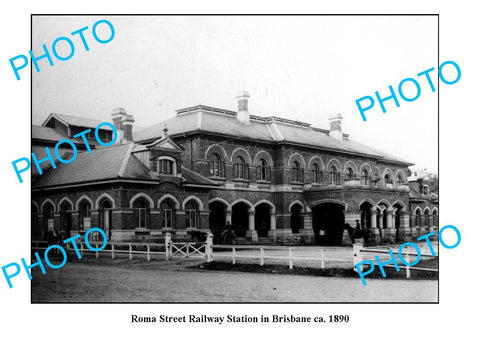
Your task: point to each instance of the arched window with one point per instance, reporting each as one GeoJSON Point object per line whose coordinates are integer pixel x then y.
{"type": "Point", "coordinates": [191, 212]}
{"type": "Point", "coordinates": [141, 210]}
{"type": "Point", "coordinates": [350, 174]}
{"type": "Point", "coordinates": [239, 168]}
{"type": "Point", "coordinates": [263, 170]}
{"type": "Point", "coordinates": [388, 179]}
{"type": "Point", "coordinates": [418, 217]}
{"type": "Point", "coordinates": [316, 174]}
{"type": "Point", "coordinates": [365, 178]}
{"type": "Point", "coordinates": [435, 217]}
{"type": "Point", "coordinates": [215, 165]}
{"type": "Point", "coordinates": [296, 177]}
{"type": "Point", "coordinates": [48, 216]}
{"type": "Point", "coordinates": [399, 179]}
{"type": "Point", "coordinates": [334, 175]}
{"type": "Point", "coordinates": [168, 214]}
{"type": "Point", "coordinates": [84, 215]}
{"type": "Point", "coordinates": [106, 215]}
{"type": "Point", "coordinates": [427, 218]}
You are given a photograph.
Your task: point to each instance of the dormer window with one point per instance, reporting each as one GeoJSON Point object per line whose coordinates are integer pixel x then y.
{"type": "Point", "coordinates": [165, 165]}
{"type": "Point", "coordinates": [425, 190]}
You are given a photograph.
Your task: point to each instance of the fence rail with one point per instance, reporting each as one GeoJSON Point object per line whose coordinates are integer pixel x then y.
{"type": "Point", "coordinates": [211, 252]}
{"type": "Point", "coordinates": [359, 250]}
{"type": "Point", "coordinates": [261, 250]}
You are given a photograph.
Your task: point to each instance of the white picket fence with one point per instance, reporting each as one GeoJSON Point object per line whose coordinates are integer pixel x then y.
{"type": "Point", "coordinates": [360, 252]}
{"type": "Point", "coordinates": [261, 253]}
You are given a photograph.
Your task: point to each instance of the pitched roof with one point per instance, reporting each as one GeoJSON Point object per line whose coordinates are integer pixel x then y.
{"type": "Point", "coordinates": [268, 129]}
{"type": "Point", "coordinates": [190, 177]}
{"type": "Point", "coordinates": [40, 133]}
{"type": "Point", "coordinates": [115, 162]}
{"type": "Point", "coordinates": [77, 121]}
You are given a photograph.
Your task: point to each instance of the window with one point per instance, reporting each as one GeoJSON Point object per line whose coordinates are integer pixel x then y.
{"type": "Point", "coordinates": [84, 213]}
{"type": "Point", "coordinates": [141, 213]}
{"type": "Point", "coordinates": [214, 165]}
{"type": "Point", "coordinates": [165, 166]}
{"type": "Point", "coordinates": [191, 212]}
{"type": "Point", "coordinates": [435, 218]}
{"type": "Point", "coordinates": [425, 189]}
{"type": "Point", "coordinates": [239, 168]}
{"type": "Point", "coordinates": [263, 170]}
{"type": "Point", "coordinates": [418, 215]}
{"type": "Point", "coordinates": [399, 180]}
{"type": "Point", "coordinates": [365, 178]}
{"type": "Point", "coordinates": [335, 175]}
{"type": "Point", "coordinates": [47, 215]}
{"type": "Point", "coordinates": [296, 172]}
{"type": "Point", "coordinates": [388, 179]}
{"type": "Point", "coordinates": [427, 218]}
{"type": "Point", "coordinates": [167, 209]}
{"type": "Point", "coordinates": [350, 174]}
{"type": "Point", "coordinates": [316, 174]}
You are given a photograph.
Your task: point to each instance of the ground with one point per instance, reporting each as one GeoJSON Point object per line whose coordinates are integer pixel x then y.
{"type": "Point", "coordinates": [123, 280]}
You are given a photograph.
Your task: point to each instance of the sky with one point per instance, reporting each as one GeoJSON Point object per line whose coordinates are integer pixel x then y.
{"type": "Point", "coordinates": [298, 67]}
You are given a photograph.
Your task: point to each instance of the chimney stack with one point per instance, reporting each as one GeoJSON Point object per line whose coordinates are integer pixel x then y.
{"type": "Point", "coordinates": [242, 114]}
{"type": "Point", "coordinates": [336, 126]}
{"type": "Point", "coordinates": [123, 123]}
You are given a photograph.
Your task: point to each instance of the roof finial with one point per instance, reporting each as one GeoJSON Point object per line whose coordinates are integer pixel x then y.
{"type": "Point", "coordinates": [165, 130]}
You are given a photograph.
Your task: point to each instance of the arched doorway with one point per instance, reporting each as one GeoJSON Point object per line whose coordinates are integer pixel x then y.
{"type": "Point", "coordinates": [295, 218]}
{"type": "Point", "coordinates": [262, 219]}
{"type": "Point", "coordinates": [106, 217]}
{"type": "Point", "coordinates": [240, 218]}
{"type": "Point", "coordinates": [366, 215]}
{"type": "Point", "coordinates": [66, 217]}
{"type": "Point", "coordinates": [398, 212]}
{"type": "Point", "coordinates": [217, 218]}
{"type": "Point", "coordinates": [328, 220]}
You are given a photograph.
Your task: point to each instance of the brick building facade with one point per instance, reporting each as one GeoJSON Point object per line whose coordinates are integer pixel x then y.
{"type": "Point", "coordinates": [271, 178]}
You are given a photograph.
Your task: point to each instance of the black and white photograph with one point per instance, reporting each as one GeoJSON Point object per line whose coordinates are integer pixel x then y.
{"type": "Point", "coordinates": [238, 174]}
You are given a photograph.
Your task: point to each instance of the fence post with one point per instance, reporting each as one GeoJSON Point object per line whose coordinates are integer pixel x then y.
{"type": "Point", "coordinates": [357, 255]}
{"type": "Point", "coordinates": [408, 267]}
{"type": "Point", "coordinates": [130, 251]}
{"type": "Point", "coordinates": [262, 256]}
{"type": "Point", "coordinates": [81, 248]}
{"type": "Point", "coordinates": [113, 251]}
{"type": "Point", "coordinates": [290, 258]}
{"type": "Point", "coordinates": [148, 253]}
{"type": "Point", "coordinates": [233, 255]}
{"type": "Point", "coordinates": [168, 239]}
{"type": "Point", "coordinates": [209, 247]}
{"type": "Point", "coordinates": [187, 250]}
{"type": "Point", "coordinates": [96, 252]}
{"type": "Point", "coordinates": [322, 258]}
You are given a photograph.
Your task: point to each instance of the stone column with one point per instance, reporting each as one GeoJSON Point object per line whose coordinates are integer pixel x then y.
{"type": "Point", "coordinates": [251, 232]}
{"type": "Point", "coordinates": [307, 230]}
{"type": "Point", "coordinates": [228, 216]}
{"type": "Point", "coordinates": [374, 236]}
{"type": "Point", "coordinates": [404, 231]}
{"type": "Point", "coordinates": [272, 233]}
{"type": "Point", "coordinates": [389, 231]}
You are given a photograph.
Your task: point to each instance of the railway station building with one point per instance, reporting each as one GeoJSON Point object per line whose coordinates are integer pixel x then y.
{"type": "Point", "coordinates": [271, 178]}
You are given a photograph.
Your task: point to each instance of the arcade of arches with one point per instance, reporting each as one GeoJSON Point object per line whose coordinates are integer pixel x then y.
{"type": "Point", "coordinates": [322, 222]}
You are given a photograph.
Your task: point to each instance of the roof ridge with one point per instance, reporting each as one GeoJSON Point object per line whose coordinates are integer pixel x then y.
{"type": "Point", "coordinates": [125, 159]}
